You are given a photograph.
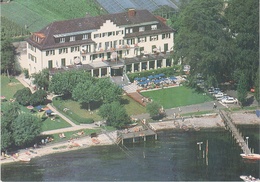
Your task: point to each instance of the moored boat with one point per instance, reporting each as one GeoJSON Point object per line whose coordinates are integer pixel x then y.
{"type": "Point", "coordinates": [25, 159]}
{"type": "Point", "coordinates": [250, 156]}
{"type": "Point", "coordinates": [249, 178]}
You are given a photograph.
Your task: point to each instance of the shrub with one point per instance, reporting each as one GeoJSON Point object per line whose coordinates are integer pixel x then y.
{"type": "Point", "coordinates": [23, 96]}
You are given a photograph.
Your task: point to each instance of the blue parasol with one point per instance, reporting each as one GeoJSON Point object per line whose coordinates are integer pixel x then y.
{"type": "Point", "coordinates": [39, 107]}
{"type": "Point", "coordinates": [49, 111]}
{"type": "Point", "coordinates": [150, 76]}
{"type": "Point", "coordinates": [143, 78]}
{"type": "Point", "coordinates": [161, 74]}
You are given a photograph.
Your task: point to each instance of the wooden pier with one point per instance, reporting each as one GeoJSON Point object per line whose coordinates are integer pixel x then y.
{"type": "Point", "coordinates": [235, 132]}
{"type": "Point", "coordinates": [136, 135]}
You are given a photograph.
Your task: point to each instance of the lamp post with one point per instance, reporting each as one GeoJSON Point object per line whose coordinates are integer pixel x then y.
{"type": "Point", "coordinates": [247, 141]}
{"type": "Point", "coordinates": [199, 144]}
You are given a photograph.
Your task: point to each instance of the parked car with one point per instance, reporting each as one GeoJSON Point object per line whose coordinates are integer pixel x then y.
{"type": "Point", "coordinates": [216, 90]}
{"type": "Point", "coordinates": [219, 95]}
{"type": "Point", "coordinates": [222, 98]}
{"type": "Point", "coordinates": [229, 100]}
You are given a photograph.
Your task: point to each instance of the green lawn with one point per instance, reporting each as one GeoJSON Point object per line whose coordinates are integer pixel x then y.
{"type": "Point", "coordinates": [36, 14]}
{"type": "Point", "coordinates": [9, 87]}
{"type": "Point", "coordinates": [78, 113]}
{"type": "Point", "coordinates": [176, 96]}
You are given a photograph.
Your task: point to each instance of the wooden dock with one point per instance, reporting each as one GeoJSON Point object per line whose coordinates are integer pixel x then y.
{"type": "Point", "coordinates": [136, 135]}
{"type": "Point", "coordinates": [235, 132]}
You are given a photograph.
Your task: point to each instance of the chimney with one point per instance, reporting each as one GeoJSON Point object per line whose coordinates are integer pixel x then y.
{"type": "Point", "coordinates": [131, 12]}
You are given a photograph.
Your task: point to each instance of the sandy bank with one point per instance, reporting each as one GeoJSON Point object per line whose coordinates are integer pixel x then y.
{"type": "Point", "coordinates": [195, 123]}
{"type": "Point", "coordinates": [84, 142]}
{"type": "Point", "coordinates": [210, 121]}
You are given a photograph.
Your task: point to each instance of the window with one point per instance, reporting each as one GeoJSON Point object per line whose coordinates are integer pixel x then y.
{"type": "Point", "coordinates": [154, 38]}
{"type": "Point", "coordinates": [72, 38]}
{"type": "Point", "coordinates": [62, 39]}
{"type": "Point", "coordinates": [141, 29]}
{"type": "Point", "coordinates": [63, 50]}
{"type": "Point", "coordinates": [63, 62]}
{"type": "Point", "coordinates": [50, 52]}
{"type": "Point", "coordinates": [84, 58]}
{"type": "Point", "coordinates": [96, 35]}
{"type": "Point", "coordinates": [142, 39]}
{"type": "Point", "coordinates": [154, 27]}
{"type": "Point", "coordinates": [50, 65]}
{"type": "Point", "coordinates": [110, 33]}
{"type": "Point", "coordinates": [166, 36]}
{"type": "Point", "coordinates": [85, 36]}
{"type": "Point", "coordinates": [129, 30]}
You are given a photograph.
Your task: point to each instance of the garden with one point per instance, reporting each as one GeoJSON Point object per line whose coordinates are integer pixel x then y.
{"type": "Point", "coordinates": [176, 96]}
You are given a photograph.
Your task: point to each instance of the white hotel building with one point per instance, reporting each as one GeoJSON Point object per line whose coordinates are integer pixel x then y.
{"type": "Point", "coordinates": [105, 45]}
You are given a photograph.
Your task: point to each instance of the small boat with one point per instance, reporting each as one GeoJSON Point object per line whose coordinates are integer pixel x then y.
{"type": "Point", "coordinates": [250, 156]}
{"type": "Point", "coordinates": [95, 141]}
{"type": "Point", "coordinates": [249, 178]}
{"type": "Point", "coordinates": [25, 159]}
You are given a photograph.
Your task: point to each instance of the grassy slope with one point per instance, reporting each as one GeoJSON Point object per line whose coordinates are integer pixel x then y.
{"type": "Point", "coordinates": [176, 96]}
{"type": "Point", "coordinates": [8, 89]}
{"type": "Point", "coordinates": [38, 13]}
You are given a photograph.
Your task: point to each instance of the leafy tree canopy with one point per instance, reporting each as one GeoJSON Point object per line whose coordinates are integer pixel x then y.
{"type": "Point", "coordinates": [153, 108]}
{"type": "Point", "coordinates": [41, 79]}
{"type": "Point", "coordinates": [25, 128]}
{"type": "Point", "coordinates": [23, 96]}
{"type": "Point", "coordinates": [114, 114]}
{"type": "Point", "coordinates": [7, 57]}
{"type": "Point", "coordinates": [38, 97]}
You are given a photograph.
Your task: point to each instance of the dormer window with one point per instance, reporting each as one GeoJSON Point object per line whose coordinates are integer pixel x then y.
{"type": "Point", "coordinates": [72, 38]}
{"type": "Point", "coordinates": [154, 27]}
{"type": "Point", "coordinates": [85, 36]}
{"type": "Point", "coordinates": [141, 29]}
{"type": "Point", "coordinates": [62, 39]}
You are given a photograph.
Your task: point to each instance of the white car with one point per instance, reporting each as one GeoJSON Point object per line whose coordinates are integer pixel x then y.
{"type": "Point", "coordinates": [219, 94]}
{"type": "Point", "coordinates": [229, 100]}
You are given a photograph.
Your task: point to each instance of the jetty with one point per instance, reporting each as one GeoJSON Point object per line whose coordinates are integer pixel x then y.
{"type": "Point", "coordinates": [137, 134]}
{"type": "Point", "coordinates": [235, 132]}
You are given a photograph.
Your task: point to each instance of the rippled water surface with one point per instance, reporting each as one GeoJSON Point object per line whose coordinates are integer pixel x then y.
{"type": "Point", "coordinates": [175, 156]}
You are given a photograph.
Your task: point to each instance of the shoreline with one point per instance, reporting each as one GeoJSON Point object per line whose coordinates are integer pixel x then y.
{"type": "Point", "coordinates": [195, 123]}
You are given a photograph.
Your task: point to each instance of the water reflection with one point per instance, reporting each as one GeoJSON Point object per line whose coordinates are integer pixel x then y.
{"type": "Point", "coordinates": [175, 156]}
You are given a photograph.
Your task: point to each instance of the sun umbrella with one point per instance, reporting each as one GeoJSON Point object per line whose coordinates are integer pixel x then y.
{"type": "Point", "coordinates": [48, 111]}
{"type": "Point", "coordinates": [161, 74]}
{"type": "Point", "coordinates": [173, 78]}
{"type": "Point", "coordinates": [156, 76]}
{"type": "Point", "coordinates": [143, 78]}
{"type": "Point", "coordinates": [29, 107]}
{"type": "Point", "coordinates": [2, 97]}
{"type": "Point", "coordinates": [39, 107]}
{"type": "Point", "coordinates": [150, 76]}
{"type": "Point", "coordinates": [137, 79]}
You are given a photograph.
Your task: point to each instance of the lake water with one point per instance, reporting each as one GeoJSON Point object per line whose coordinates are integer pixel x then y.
{"type": "Point", "coordinates": [175, 156]}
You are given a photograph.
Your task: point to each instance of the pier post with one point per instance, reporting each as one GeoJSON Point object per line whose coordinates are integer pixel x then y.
{"type": "Point", "coordinates": [155, 137]}
{"type": "Point", "coordinates": [144, 138]}
{"type": "Point", "coordinates": [133, 139]}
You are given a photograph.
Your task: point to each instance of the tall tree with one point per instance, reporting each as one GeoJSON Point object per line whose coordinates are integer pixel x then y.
{"type": "Point", "coordinates": [23, 96]}
{"type": "Point", "coordinates": [114, 114]}
{"type": "Point", "coordinates": [243, 23]}
{"type": "Point", "coordinates": [153, 108]}
{"type": "Point", "coordinates": [41, 79]}
{"type": "Point", "coordinates": [63, 83]}
{"type": "Point", "coordinates": [109, 91]}
{"type": "Point", "coordinates": [242, 88]}
{"type": "Point", "coordinates": [86, 92]}
{"type": "Point", "coordinates": [10, 112]}
{"type": "Point", "coordinates": [202, 40]}
{"type": "Point", "coordinates": [7, 57]}
{"type": "Point", "coordinates": [26, 128]}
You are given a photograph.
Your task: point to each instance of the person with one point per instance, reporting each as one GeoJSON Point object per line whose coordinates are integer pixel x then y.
{"type": "Point", "coordinates": [214, 106]}
{"type": "Point", "coordinates": [122, 78]}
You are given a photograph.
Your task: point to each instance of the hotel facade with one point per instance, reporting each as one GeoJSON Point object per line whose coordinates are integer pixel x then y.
{"type": "Point", "coordinates": [107, 45]}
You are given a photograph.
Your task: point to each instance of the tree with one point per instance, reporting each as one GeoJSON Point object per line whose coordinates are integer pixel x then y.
{"type": "Point", "coordinates": [38, 97]}
{"type": "Point", "coordinates": [256, 86]}
{"type": "Point", "coordinates": [109, 91]}
{"type": "Point", "coordinates": [63, 83]}
{"type": "Point", "coordinates": [153, 108]}
{"type": "Point", "coordinates": [242, 89]}
{"type": "Point", "coordinates": [23, 96]}
{"type": "Point", "coordinates": [202, 40]}
{"type": "Point", "coordinates": [115, 114]}
{"type": "Point", "coordinates": [7, 57]}
{"type": "Point", "coordinates": [86, 92]}
{"type": "Point", "coordinates": [26, 128]}
{"type": "Point", "coordinates": [10, 111]}
{"type": "Point", "coordinates": [41, 79]}
{"type": "Point", "coordinates": [243, 23]}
